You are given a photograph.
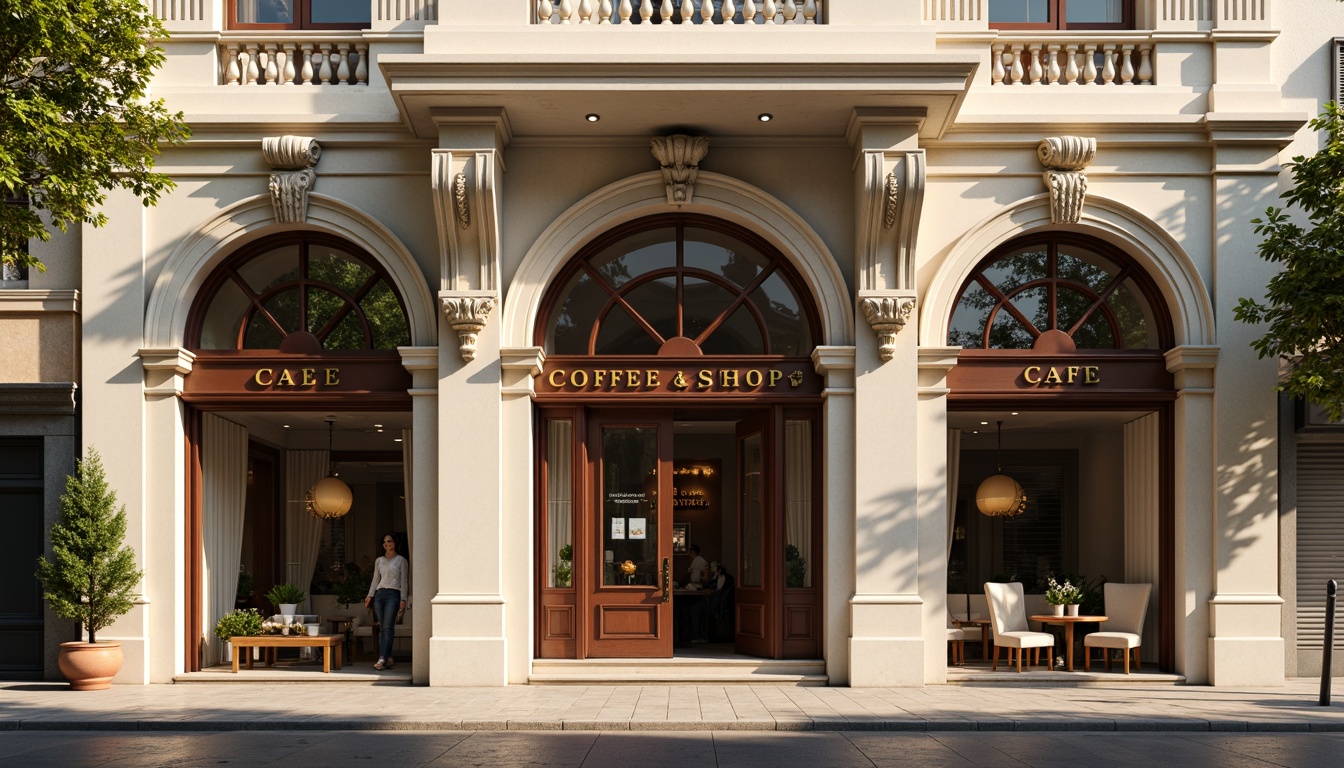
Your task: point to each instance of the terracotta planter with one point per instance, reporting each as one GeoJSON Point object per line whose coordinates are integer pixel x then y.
{"type": "Point", "coordinates": [90, 666]}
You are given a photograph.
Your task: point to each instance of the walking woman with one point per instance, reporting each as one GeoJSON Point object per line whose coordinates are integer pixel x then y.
{"type": "Point", "coordinates": [387, 593]}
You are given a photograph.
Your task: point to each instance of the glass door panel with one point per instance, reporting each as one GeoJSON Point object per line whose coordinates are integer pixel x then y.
{"type": "Point", "coordinates": [630, 534]}
{"type": "Point", "coordinates": [753, 509]}
{"type": "Point", "coordinates": [759, 589]}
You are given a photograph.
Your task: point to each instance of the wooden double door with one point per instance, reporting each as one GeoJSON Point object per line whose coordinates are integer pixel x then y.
{"type": "Point", "coordinates": [620, 598]}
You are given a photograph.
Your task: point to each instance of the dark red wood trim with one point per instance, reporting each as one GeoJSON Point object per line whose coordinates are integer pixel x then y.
{"type": "Point", "coordinates": [195, 545]}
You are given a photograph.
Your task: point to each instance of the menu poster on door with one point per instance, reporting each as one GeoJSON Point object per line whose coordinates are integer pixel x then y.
{"type": "Point", "coordinates": [637, 528]}
{"type": "Point", "coordinates": [618, 527]}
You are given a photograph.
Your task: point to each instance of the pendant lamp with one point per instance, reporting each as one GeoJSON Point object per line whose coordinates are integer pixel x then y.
{"type": "Point", "coordinates": [329, 497]}
{"type": "Point", "coordinates": [1000, 495]}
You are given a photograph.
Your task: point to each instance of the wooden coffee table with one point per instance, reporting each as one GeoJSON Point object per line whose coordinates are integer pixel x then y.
{"type": "Point", "coordinates": [327, 642]}
{"type": "Point", "coordinates": [1068, 622]}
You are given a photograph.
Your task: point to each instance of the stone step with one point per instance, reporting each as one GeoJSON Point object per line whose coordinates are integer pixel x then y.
{"type": "Point", "coordinates": [679, 671]}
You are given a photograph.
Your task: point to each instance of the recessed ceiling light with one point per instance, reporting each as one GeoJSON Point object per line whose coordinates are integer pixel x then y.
{"type": "Point", "coordinates": [984, 423]}
{"type": "Point", "coordinates": [396, 439]}
{"type": "Point", "coordinates": [379, 426]}
{"type": "Point", "coordinates": [286, 426]}
{"type": "Point", "coordinates": [592, 117]}
{"type": "Point", "coordinates": [765, 117]}
{"type": "Point", "coordinates": [1014, 413]}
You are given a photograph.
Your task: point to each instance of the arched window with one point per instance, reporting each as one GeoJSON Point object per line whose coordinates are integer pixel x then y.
{"type": "Point", "coordinates": [1059, 287]}
{"type": "Point", "coordinates": [301, 283]}
{"type": "Point", "coordinates": [678, 285]}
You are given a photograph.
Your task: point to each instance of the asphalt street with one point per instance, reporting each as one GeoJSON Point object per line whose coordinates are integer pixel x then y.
{"type": "Point", "coordinates": [691, 749]}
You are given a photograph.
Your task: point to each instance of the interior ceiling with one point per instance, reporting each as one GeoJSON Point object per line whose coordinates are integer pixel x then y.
{"type": "Point", "coordinates": [1060, 421]}
{"type": "Point", "coordinates": [352, 431]}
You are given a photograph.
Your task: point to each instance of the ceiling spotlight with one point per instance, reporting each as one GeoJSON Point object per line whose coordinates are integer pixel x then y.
{"type": "Point", "coordinates": [765, 117]}
{"type": "Point", "coordinates": [592, 117]}
{"type": "Point", "coordinates": [984, 423]}
{"type": "Point", "coordinates": [379, 426]}
{"type": "Point", "coordinates": [1014, 413]}
{"type": "Point", "coordinates": [396, 439]}
{"type": "Point", "coordinates": [286, 426]}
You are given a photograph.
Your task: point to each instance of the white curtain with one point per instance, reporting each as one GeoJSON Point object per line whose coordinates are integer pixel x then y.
{"type": "Point", "coordinates": [559, 492]}
{"type": "Point", "coordinates": [953, 475]}
{"type": "Point", "coordinates": [223, 502]}
{"type": "Point", "coordinates": [407, 478]}
{"type": "Point", "coordinates": [798, 490]}
{"type": "Point", "coordinates": [303, 531]}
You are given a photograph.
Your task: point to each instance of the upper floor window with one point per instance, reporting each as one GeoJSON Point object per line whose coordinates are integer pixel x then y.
{"type": "Point", "coordinates": [312, 285]}
{"type": "Point", "coordinates": [1058, 284]}
{"type": "Point", "coordinates": [299, 14]}
{"type": "Point", "coordinates": [1061, 14]}
{"type": "Point", "coordinates": [678, 285]}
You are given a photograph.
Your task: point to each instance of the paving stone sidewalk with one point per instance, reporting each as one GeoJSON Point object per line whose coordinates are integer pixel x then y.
{"type": "Point", "coordinates": [981, 707]}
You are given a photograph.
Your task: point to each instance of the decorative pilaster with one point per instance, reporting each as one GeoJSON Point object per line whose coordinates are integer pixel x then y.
{"type": "Point", "coordinates": [467, 315]}
{"type": "Point", "coordinates": [1064, 158]}
{"type": "Point", "coordinates": [887, 316]}
{"type": "Point", "coordinates": [293, 158]}
{"type": "Point", "coordinates": [679, 156]}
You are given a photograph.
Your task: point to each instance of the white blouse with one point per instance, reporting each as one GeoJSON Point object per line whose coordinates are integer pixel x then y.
{"type": "Point", "coordinates": [390, 574]}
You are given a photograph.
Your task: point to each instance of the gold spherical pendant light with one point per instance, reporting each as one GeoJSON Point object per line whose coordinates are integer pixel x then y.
{"type": "Point", "coordinates": [329, 497]}
{"type": "Point", "coordinates": [1000, 495]}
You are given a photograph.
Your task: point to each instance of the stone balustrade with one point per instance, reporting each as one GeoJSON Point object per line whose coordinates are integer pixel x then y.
{"type": "Point", "coordinates": [1055, 61]}
{"type": "Point", "coordinates": [705, 12]}
{"type": "Point", "coordinates": [328, 60]}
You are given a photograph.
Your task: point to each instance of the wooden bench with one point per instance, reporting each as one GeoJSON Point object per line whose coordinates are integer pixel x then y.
{"type": "Point", "coordinates": [270, 642]}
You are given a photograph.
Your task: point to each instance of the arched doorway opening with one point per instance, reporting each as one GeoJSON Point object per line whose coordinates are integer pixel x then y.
{"type": "Point", "coordinates": [296, 375]}
{"type": "Point", "coordinates": [1064, 340]}
{"type": "Point", "coordinates": [677, 408]}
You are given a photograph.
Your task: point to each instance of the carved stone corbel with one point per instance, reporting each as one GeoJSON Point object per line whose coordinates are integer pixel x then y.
{"type": "Point", "coordinates": [893, 194]}
{"type": "Point", "coordinates": [679, 156]}
{"type": "Point", "coordinates": [1064, 158]}
{"type": "Point", "coordinates": [887, 316]}
{"type": "Point", "coordinates": [292, 158]}
{"type": "Point", "coordinates": [467, 315]}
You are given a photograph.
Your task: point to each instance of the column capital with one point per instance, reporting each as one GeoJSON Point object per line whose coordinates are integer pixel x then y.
{"type": "Point", "coordinates": [1193, 367]}
{"type": "Point", "coordinates": [165, 368]}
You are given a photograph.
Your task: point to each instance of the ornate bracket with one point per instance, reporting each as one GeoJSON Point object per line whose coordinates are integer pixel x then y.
{"type": "Point", "coordinates": [887, 316]}
{"type": "Point", "coordinates": [893, 191]}
{"type": "Point", "coordinates": [292, 158]}
{"type": "Point", "coordinates": [1064, 158]}
{"type": "Point", "coordinates": [460, 201]}
{"type": "Point", "coordinates": [467, 315]}
{"type": "Point", "coordinates": [680, 156]}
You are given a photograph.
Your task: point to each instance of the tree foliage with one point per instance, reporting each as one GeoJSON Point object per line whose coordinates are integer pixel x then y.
{"type": "Point", "coordinates": [1304, 303]}
{"type": "Point", "coordinates": [91, 573]}
{"type": "Point", "coordinates": [75, 120]}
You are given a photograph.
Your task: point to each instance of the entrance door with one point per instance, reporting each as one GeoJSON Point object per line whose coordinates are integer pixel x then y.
{"type": "Point", "coordinates": [758, 584]}
{"type": "Point", "coordinates": [630, 563]}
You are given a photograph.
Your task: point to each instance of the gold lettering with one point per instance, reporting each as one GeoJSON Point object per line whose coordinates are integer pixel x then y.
{"type": "Point", "coordinates": [286, 378]}
{"type": "Point", "coordinates": [1073, 371]}
{"type": "Point", "coordinates": [631, 378]}
{"type": "Point", "coordinates": [1053, 376]}
{"type": "Point", "coordinates": [775, 376]}
{"type": "Point", "coordinates": [309, 377]}
{"type": "Point", "coordinates": [1027, 374]}
{"type": "Point", "coordinates": [748, 378]}
{"type": "Point", "coordinates": [616, 377]}
{"type": "Point", "coordinates": [333, 377]}
{"type": "Point", "coordinates": [269, 373]}
{"type": "Point", "coordinates": [579, 379]}
{"type": "Point", "coordinates": [728, 379]}
{"type": "Point", "coordinates": [1092, 375]}
{"type": "Point", "coordinates": [558, 373]}
{"type": "Point", "coordinates": [704, 380]}
{"type": "Point", "coordinates": [598, 376]}
{"type": "Point", "coordinates": [650, 378]}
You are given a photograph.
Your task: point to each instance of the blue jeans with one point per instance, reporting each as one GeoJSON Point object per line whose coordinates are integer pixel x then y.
{"type": "Point", "coordinates": [385, 604]}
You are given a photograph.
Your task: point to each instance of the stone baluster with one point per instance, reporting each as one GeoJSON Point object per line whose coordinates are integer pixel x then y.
{"type": "Point", "coordinates": [665, 12]}
{"type": "Point", "coordinates": [645, 11]}
{"type": "Point", "coordinates": [769, 11]}
{"type": "Point", "coordinates": [361, 64]}
{"type": "Point", "coordinates": [686, 11]}
{"type": "Point", "coordinates": [324, 69]}
{"type": "Point", "coordinates": [343, 64]}
{"type": "Point", "coordinates": [1017, 64]}
{"type": "Point", "coordinates": [729, 12]}
{"type": "Point", "coordinates": [624, 11]}
{"type": "Point", "coordinates": [306, 64]}
{"type": "Point", "coordinates": [272, 72]}
{"type": "Point", "coordinates": [231, 70]}
{"type": "Point", "coordinates": [1037, 72]}
{"type": "Point", "coordinates": [604, 12]}
{"type": "Point", "coordinates": [1090, 64]}
{"type": "Point", "coordinates": [790, 12]}
{"type": "Point", "coordinates": [1071, 71]}
{"type": "Point", "coordinates": [585, 12]}
{"type": "Point", "coordinates": [997, 72]}
{"type": "Point", "coordinates": [289, 72]}
{"type": "Point", "coordinates": [810, 12]}
{"type": "Point", "coordinates": [1108, 64]}
{"type": "Point", "coordinates": [1127, 65]}
{"type": "Point", "coordinates": [545, 9]}
{"type": "Point", "coordinates": [1145, 64]}
{"type": "Point", "coordinates": [1052, 64]}
{"type": "Point", "coordinates": [566, 10]}
{"type": "Point", "coordinates": [749, 11]}
{"type": "Point", "coordinates": [247, 64]}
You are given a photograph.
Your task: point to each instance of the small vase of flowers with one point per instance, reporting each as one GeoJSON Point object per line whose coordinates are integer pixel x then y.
{"type": "Point", "coordinates": [628, 568]}
{"type": "Point", "coordinates": [1063, 597]}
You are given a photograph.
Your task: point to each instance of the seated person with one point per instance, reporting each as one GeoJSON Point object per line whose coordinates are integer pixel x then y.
{"type": "Point", "coordinates": [719, 603]}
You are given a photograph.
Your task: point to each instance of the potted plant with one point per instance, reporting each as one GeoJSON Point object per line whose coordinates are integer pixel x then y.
{"type": "Point", "coordinates": [354, 587]}
{"type": "Point", "coordinates": [245, 586]}
{"type": "Point", "coordinates": [91, 574]}
{"type": "Point", "coordinates": [1062, 596]}
{"type": "Point", "coordinates": [564, 570]}
{"type": "Point", "coordinates": [795, 567]}
{"type": "Point", "coordinates": [286, 598]}
{"type": "Point", "coordinates": [242, 622]}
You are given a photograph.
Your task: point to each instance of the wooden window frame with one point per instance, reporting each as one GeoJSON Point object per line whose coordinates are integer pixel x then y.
{"type": "Point", "coordinates": [1058, 12]}
{"type": "Point", "coordinates": [302, 19]}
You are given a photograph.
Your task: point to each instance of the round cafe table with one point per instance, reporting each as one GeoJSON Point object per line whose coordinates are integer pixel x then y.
{"type": "Point", "coordinates": [1068, 622]}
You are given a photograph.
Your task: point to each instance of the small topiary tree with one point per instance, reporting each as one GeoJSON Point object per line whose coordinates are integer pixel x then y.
{"type": "Point", "coordinates": [91, 573]}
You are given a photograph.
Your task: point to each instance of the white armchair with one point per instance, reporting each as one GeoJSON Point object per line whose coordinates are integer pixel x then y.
{"type": "Point", "coordinates": [1126, 605]}
{"type": "Point", "coordinates": [956, 637]}
{"type": "Point", "coordinates": [1008, 619]}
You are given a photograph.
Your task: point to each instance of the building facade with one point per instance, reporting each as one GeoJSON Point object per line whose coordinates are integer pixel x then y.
{"type": "Point", "coordinates": [562, 288]}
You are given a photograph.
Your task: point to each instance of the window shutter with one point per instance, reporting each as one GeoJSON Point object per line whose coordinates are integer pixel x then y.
{"type": "Point", "coordinates": [1337, 70]}
{"type": "Point", "coordinates": [1320, 535]}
